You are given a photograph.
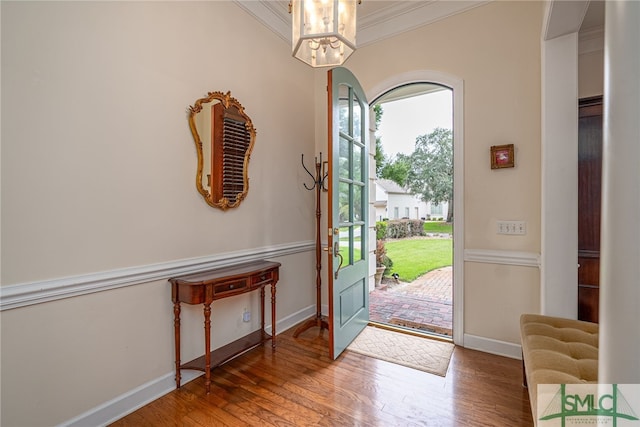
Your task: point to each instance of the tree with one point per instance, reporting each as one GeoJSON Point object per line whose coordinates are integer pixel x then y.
{"type": "Point", "coordinates": [397, 169]}
{"type": "Point", "coordinates": [431, 168]}
{"type": "Point", "coordinates": [379, 156]}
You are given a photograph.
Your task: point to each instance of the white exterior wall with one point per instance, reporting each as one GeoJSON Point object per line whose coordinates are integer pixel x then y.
{"type": "Point", "coordinates": [400, 201]}
{"type": "Point", "coordinates": [443, 214]}
{"type": "Point", "coordinates": [381, 195]}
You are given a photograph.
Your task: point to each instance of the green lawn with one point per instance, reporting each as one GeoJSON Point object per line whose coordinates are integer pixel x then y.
{"type": "Point", "coordinates": [437, 227]}
{"type": "Point", "coordinates": [414, 257]}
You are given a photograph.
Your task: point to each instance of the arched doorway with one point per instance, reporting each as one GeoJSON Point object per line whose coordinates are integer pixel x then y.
{"type": "Point", "coordinates": [420, 80]}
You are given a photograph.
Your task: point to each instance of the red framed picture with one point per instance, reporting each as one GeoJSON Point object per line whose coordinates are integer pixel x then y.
{"type": "Point", "coordinates": [502, 156]}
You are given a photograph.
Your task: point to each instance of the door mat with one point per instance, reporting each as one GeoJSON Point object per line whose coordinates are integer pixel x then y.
{"type": "Point", "coordinates": [414, 352]}
{"type": "Point", "coordinates": [421, 326]}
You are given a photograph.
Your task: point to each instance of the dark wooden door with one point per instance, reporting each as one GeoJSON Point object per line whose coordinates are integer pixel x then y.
{"type": "Point", "coordinates": [589, 195]}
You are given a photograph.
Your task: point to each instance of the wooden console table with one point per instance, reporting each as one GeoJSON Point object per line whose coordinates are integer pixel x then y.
{"type": "Point", "coordinates": [208, 286]}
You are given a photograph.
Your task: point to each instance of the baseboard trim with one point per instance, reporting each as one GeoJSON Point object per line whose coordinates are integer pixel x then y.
{"type": "Point", "coordinates": [25, 294]}
{"type": "Point", "coordinates": [128, 402]}
{"type": "Point", "coordinates": [133, 400]}
{"type": "Point", "coordinates": [293, 319]}
{"type": "Point", "coordinates": [489, 345]}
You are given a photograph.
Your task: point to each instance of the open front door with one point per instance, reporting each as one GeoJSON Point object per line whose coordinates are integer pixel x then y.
{"type": "Point", "coordinates": [348, 210]}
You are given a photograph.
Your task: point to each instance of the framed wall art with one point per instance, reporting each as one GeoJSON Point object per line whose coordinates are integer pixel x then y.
{"type": "Point", "coordinates": [502, 156]}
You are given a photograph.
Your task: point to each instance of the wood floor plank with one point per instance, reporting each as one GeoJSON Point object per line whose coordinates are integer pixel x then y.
{"type": "Point", "coordinates": [299, 385]}
{"type": "Point", "coordinates": [268, 401]}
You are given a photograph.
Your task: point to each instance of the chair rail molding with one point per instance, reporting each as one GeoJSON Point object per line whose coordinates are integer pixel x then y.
{"type": "Point", "coordinates": [25, 294]}
{"type": "Point", "coordinates": [492, 256]}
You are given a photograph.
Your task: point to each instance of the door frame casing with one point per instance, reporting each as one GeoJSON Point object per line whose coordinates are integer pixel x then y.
{"type": "Point", "coordinates": [457, 86]}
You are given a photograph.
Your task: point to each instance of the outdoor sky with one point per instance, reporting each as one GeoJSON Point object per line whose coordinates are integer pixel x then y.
{"type": "Point", "coordinates": [406, 119]}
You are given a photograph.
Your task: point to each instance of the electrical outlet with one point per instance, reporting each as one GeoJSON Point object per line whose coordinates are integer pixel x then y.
{"type": "Point", "coordinates": [246, 316]}
{"type": "Point", "coordinates": [512, 227]}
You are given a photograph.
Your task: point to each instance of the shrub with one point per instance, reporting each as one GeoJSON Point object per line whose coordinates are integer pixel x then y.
{"type": "Point", "coordinates": [399, 229]}
{"type": "Point", "coordinates": [381, 230]}
{"type": "Point", "coordinates": [387, 263]}
{"type": "Point", "coordinates": [416, 227]}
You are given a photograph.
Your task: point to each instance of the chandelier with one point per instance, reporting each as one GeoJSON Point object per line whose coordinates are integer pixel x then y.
{"type": "Point", "coordinates": [324, 31]}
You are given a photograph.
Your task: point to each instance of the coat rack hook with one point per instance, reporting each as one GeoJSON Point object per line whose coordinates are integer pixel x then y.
{"type": "Point", "coordinates": [319, 177]}
{"type": "Point", "coordinates": [325, 173]}
{"type": "Point", "coordinates": [310, 174]}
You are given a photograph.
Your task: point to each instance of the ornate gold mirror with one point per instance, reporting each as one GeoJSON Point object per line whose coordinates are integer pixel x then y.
{"type": "Point", "coordinates": [224, 137]}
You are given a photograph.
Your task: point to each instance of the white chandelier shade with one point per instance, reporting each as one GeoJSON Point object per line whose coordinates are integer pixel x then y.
{"type": "Point", "coordinates": [324, 31]}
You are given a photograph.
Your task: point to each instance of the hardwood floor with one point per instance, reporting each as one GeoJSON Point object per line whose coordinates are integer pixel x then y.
{"type": "Point", "coordinates": [299, 385]}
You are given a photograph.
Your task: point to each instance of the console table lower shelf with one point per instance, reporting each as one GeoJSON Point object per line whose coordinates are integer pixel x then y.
{"type": "Point", "coordinates": [229, 351]}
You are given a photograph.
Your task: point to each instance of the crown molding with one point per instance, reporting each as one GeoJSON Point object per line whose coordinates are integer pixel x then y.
{"type": "Point", "coordinates": [397, 18]}
{"type": "Point", "coordinates": [402, 17]}
{"type": "Point", "coordinates": [272, 14]}
{"type": "Point", "coordinates": [591, 40]}
{"type": "Point", "coordinates": [563, 17]}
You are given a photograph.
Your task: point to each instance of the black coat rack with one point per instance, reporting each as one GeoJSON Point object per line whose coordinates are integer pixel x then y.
{"type": "Point", "coordinates": [318, 185]}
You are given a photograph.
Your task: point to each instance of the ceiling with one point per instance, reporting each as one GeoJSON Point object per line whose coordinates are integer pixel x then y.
{"type": "Point", "coordinates": [376, 19]}
{"type": "Point", "coordinates": [381, 19]}
{"type": "Point", "coordinates": [594, 18]}
{"type": "Point", "coordinates": [570, 16]}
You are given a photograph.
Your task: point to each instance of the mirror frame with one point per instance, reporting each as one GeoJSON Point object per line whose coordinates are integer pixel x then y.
{"type": "Point", "coordinates": [228, 102]}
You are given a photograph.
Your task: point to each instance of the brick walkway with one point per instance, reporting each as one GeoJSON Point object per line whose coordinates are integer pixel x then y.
{"type": "Point", "coordinates": [424, 304]}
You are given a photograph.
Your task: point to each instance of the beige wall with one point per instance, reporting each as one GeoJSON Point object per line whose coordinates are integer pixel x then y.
{"type": "Point", "coordinates": [496, 295]}
{"type": "Point", "coordinates": [591, 74]}
{"type": "Point", "coordinates": [111, 166]}
{"type": "Point", "coordinates": [495, 49]}
{"type": "Point", "coordinates": [110, 156]}
{"type": "Point", "coordinates": [98, 171]}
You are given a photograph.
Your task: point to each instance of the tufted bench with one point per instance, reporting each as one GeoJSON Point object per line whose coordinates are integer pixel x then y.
{"type": "Point", "coordinates": [557, 351]}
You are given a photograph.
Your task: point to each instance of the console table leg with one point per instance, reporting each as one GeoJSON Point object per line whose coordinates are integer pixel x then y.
{"type": "Point", "coordinates": [207, 347]}
{"type": "Point", "coordinates": [273, 316]}
{"type": "Point", "coordinates": [176, 333]}
{"type": "Point", "coordinates": [262, 310]}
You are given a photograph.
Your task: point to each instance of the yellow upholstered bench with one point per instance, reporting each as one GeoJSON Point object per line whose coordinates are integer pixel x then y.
{"type": "Point", "coordinates": [557, 351]}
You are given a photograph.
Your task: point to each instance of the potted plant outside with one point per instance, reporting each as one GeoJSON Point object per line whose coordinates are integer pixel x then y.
{"type": "Point", "coordinates": [382, 261]}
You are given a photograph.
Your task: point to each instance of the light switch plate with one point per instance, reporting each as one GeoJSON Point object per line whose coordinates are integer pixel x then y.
{"type": "Point", "coordinates": [512, 227]}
